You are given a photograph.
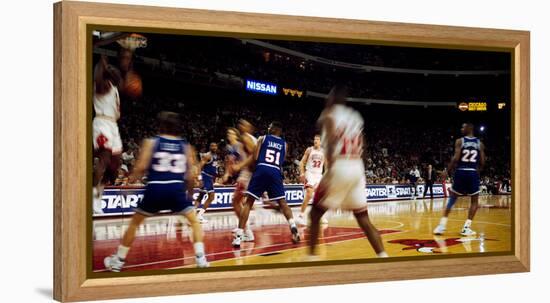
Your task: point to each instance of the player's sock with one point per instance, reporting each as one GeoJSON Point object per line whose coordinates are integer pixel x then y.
{"type": "Point", "coordinates": [468, 223]}
{"type": "Point", "coordinates": [122, 252]}
{"type": "Point", "coordinates": [382, 254]}
{"type": "Point", "coordinates": [443, 221]}
{"type": "Point", "coordinates": [451, 202]}
{"type": "Point", "coordinates": [239, 232]}
{"type": "Point", "coordinates": [291, 222]}
{"type": "Point", "coordinates": [199, 249]}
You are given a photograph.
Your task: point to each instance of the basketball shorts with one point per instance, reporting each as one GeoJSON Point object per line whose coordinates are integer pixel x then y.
{"type": "Point", "coordinates": [244, 178]}
{"type": "Point", "coordinates": [266, 179]}
{"type": "Point", "coordinates": [343, 187]}
{"type": "Point", "coordinates": [242, 181]}
{"type": "Point", "coordinates": [106, 135]}
{"type": "Point", "coordinates": [312, 180]}
{"type": "Point", "coordinates": [465, 182]}
{"type": "Point", "coordinates": [157, 197]}
{"type": "Point", "coordinates": [207, 183]}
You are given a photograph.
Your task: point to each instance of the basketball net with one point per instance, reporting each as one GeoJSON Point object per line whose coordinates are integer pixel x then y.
{"type": "Point", "coordinates": [133, 41]}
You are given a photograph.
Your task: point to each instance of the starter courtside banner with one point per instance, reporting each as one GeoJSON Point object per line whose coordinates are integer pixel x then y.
{"type": "Point", "coordinates": [121, 201]}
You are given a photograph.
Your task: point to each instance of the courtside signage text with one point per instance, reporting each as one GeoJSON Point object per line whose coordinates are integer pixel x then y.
{"type": "Point", "coordinates": [122, 201]}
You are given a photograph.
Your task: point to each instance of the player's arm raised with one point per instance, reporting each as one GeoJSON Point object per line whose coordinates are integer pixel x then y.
{"type": "Point", "coordinates": [456, 156]}
{"type": "Point", "coordinates": [303, 165]}
{"type": "Point", "coordinates": [143, 160]}
{"type": "Point", "coordinates": [100, 83]}
{"type": "Point", "coordinates": [191, 171]}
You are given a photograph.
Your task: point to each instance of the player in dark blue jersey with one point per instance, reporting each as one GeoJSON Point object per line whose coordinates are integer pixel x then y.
{"type": "Point", "coordinates": [209, 171]}
{"type": "Point", "coordinates": [267, 177]}
{"type": "Point", "coordinates": [466, 163]}
{"type": "Point", "coordinates": [169, 163]}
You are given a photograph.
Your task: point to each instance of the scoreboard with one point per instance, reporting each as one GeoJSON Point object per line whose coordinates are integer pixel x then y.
{"type": "Point", "coordinates": [480, 106]}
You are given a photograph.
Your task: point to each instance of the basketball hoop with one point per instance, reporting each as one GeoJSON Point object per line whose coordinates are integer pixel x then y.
{"type": "Point", "coordinates": [133, 41]}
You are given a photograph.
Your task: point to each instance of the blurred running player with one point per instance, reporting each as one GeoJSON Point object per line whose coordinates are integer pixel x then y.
{"type": "Point", "coordinates": [311, 171]}
{"type": "Point", "coordinates": [343, 184]}
{"type": "Point", "coordinates": [268, 158]}
{"type": "Point", "coordinates": [106, 137]}
{"type": "Point", "coordinates": [244, 168]}
{"type": "Point", "coordinates": [235, 154]}
{"type": "Point", "coordinates": [468, 160]}
{"type": "Point", "coordinates": [209, 171]}
{"type": "Point", "coordinates": [167, 160]}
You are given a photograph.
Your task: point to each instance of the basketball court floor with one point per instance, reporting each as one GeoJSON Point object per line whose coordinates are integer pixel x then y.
{"type": "Point", "coordinates": [406, 227]}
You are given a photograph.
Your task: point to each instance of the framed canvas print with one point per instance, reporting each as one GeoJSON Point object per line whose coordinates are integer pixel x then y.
{"type": "Point", "coordinates": [205, 151]}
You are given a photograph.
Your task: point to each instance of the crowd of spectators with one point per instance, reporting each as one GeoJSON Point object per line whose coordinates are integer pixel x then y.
{"type": "Point", "coordinates": [391, 149]}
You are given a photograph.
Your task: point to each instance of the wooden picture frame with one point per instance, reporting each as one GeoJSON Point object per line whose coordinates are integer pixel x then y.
{"type": "Point", "coordinates": [71, 148]}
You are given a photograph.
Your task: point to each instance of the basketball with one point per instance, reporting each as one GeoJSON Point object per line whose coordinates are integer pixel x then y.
{"type": "Point", "coordinates": [133, 87]}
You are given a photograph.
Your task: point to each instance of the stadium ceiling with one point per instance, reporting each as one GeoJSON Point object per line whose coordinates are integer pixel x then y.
{"type": "Point", "coordinates": [369, 101]}
{"type": "Point", "coordinates": [313, 94]}
{"type": "Point", "coordinates": [369, 68]}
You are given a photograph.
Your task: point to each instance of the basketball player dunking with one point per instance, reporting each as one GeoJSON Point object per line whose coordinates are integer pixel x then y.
{"type": "Point", "coordinates": [209, 171]}
{"type": "Point", "coordinates": [106, 137]}
{"type": "Point", "coordinates": [168, 161]}
{"type": "Point", "coordinates": [468, 160]}
{"type": "Point", "coordinates": [267, 176]}
{"type": "Point", "coordinates": [311, 171]}
{"type": "Point", "coordinates": [343, 184]}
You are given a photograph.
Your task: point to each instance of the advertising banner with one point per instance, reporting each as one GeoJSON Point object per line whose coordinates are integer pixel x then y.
{"type": "Point", "coordinates": [121, 201]}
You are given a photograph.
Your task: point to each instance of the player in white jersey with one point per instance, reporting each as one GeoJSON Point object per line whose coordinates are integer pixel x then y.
{"type": "Point", "coordinates": [248, 142]}
{"type": "Point", "coordinates": [311, 171]}
{"type": "Point", "coordinates": [343, 184]}
{"type": "Point", "coordinates": [249, 146]}
{"type": "Point", "coordinates": [106, 137]}
{"type": "Point", "coordinates": [235, 154]}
